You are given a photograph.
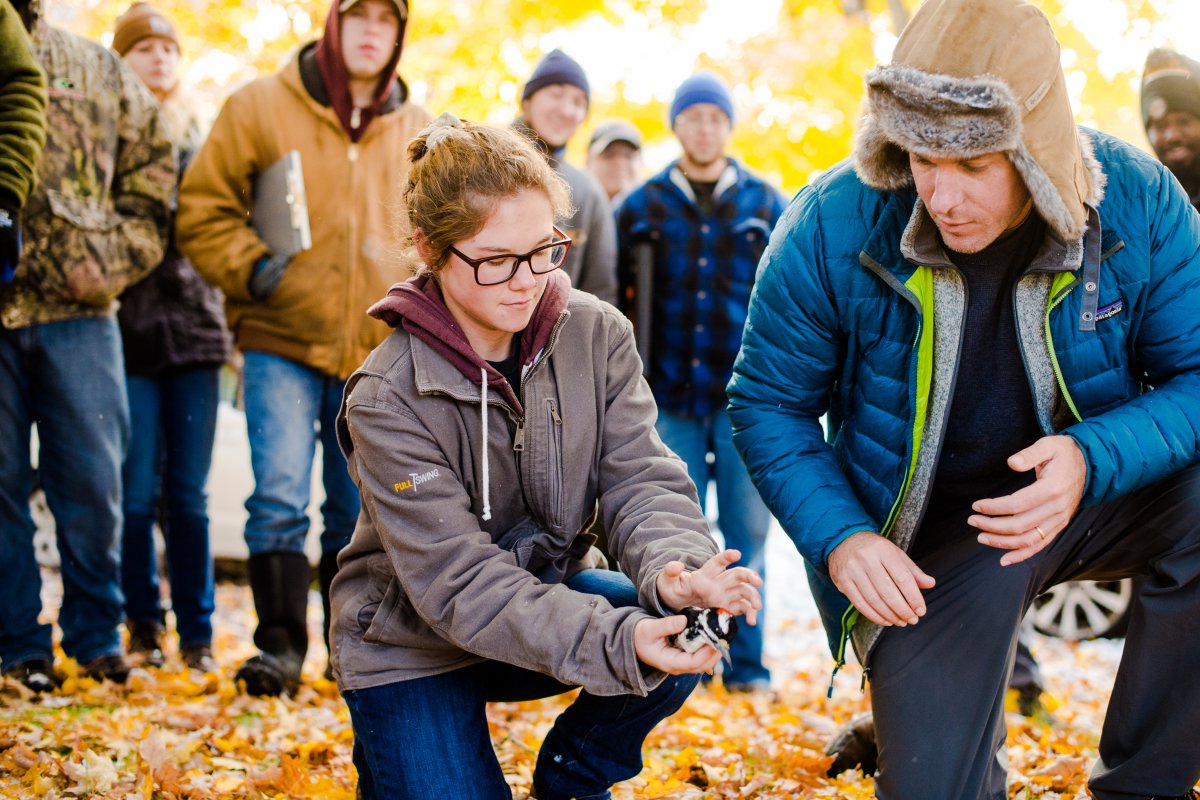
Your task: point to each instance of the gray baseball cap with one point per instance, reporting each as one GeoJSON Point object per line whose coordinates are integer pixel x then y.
{"type": "Point", "coordinates": [613, 130]}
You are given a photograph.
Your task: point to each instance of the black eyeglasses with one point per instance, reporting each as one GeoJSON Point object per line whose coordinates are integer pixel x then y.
{"type": "Point", "coordinates": [501, 269]}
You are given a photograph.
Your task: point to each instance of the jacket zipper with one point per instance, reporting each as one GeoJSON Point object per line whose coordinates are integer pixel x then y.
{"type": "Point", "coordinates": [519, 435]}
{"type": "Point", "coordinates": [352, 243]}
{"type": "Point", "coordinates": [1062, 381]}
{"type": "Point", "coordinates": [555, 463]}
{"type": "Point", "coordinates": [850, 616]}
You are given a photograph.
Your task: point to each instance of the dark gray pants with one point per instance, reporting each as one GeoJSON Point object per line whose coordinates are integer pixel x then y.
{"type": "Point", "coordinates": [937, 688]}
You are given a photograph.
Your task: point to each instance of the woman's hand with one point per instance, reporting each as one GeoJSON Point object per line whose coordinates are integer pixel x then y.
{"type": "Point", "coordinates": [652, 643]}
{"type": "Point", "coordinates": [712, 586]}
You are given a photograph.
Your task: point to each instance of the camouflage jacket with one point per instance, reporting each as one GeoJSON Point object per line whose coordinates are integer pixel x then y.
{"type": "Point", "coordinates": [98, 219]}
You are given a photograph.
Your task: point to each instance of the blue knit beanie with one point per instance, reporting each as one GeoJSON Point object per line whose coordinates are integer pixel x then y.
{"type": "Point", "coordinates": [703, 87]}
{"type": "Point", "coordinates": [556, 67]}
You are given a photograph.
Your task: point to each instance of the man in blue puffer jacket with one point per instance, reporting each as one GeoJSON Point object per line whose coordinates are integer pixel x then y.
{"type": "Point", "coordinates": [999, 314]}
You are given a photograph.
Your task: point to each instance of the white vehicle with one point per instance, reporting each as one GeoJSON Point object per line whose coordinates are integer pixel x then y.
{"type": "Point", "coordinates": [230, 482]}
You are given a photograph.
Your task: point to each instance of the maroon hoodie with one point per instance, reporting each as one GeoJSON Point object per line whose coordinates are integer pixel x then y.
{"type": "Point", "coordinates": [417, 305]}
{"type": "Point", "coordinates": [337, 80]}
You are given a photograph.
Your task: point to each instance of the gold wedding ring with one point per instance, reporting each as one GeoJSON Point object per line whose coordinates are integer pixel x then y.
{"type": "Point", "coordinates": [1041, 532]}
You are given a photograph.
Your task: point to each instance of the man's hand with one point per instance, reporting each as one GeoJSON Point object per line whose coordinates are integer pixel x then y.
{"type": "Point", "coordinates": [1026, 521]}
{"type": "Point", "coordinates": [651, 642]}
{"type": "Point", "coordinates": [267, 275]}
{"type": "Point", "coordinates": [712, 586]}
{"type": "Point", "coordinates": [879, 578]}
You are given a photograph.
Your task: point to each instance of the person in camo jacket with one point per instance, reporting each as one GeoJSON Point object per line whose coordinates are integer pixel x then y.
{"type": "Point", "coordinates": [96, 223]}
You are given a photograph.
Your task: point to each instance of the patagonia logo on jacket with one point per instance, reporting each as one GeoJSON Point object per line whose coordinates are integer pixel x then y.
{"type": "Point", "coordinates": [415, 479]}
{"type": "Point", "coordinates": [1110, 310]}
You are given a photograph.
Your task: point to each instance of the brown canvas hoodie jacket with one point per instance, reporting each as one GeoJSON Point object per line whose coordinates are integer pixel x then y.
{"type": "Point", "coordinates": [317, 315]}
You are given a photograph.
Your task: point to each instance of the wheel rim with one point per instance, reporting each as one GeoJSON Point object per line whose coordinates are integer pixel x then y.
{"type": "Point", "coordinates": [1082, 609]}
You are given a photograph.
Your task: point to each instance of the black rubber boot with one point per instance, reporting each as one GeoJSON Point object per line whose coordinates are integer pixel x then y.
{"type": "Point", "coordinates": [855, 746]}
{"type": "Point", "coordinates": [326, 569]}
{"type": "Point", "coordinates": [279, 582]}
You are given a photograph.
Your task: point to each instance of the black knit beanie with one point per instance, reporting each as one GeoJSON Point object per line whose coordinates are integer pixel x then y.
{"type": "Point", "coordinates": [1170, 83]}
{"type": "Point", "coordinates": [556, 67]}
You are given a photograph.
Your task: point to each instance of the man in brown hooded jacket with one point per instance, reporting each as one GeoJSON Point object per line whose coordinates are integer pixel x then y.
{"type": "Point", "coordinates": [301, 322]}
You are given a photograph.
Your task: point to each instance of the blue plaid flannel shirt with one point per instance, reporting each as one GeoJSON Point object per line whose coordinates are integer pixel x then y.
{"type": "Point", "coordinates": [704, 267]}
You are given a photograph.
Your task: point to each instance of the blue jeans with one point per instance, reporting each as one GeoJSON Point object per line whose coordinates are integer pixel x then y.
{"type": "Point", "coordinates": [173, 421]}
{"type": "Point", "coordinates": [286, 404]}
{"type": "Point", "coordinates": [427, 739]}
{"type": "Point", "coordinates": [742, 517]}
{"type": "Point", "coordinates": [68, 378]}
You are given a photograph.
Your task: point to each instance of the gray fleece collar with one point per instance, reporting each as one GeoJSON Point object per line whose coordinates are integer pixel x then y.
{"type": "Point", "coordinates": [922, 245]}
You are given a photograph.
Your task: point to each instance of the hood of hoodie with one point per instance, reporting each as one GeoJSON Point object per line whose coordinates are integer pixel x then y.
{"type": "Point", "coordinates": [970, 77]}
{"type": "Point", "coordinates": [337, 81]}
{"type": "Point", "coordinates": [418, 307]}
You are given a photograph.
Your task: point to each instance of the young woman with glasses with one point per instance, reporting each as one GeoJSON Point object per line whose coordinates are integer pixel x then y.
{"type": "Point", "coordinates": [501, 415]}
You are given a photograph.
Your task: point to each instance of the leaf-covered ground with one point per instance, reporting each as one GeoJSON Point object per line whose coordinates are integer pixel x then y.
{"type": "Point", "coordinates": [174, 734]}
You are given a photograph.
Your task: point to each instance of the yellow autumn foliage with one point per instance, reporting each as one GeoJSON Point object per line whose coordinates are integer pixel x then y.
{"type": "Point", "coordinates": [797, 82]}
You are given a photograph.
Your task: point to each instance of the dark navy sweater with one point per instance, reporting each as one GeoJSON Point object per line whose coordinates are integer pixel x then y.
{"type": "Point", "coordinates": [991, 414]}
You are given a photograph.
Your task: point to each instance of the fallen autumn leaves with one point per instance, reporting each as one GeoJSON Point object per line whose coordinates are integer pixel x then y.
{"type": "Point", "coordinates": [174, 734]}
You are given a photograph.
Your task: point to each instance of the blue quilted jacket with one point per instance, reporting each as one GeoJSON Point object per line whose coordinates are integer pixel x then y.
{"type": "Point", "coordinates": [844, 322]}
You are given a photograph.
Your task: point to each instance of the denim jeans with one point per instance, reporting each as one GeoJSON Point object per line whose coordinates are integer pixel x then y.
{"type": "Point", "coordinates": [68, 378]}
{"type": "Point", "coordinates": [742, 517]}
{"type": "Point", "coordinates": [173, 421]}
{"type": "Point", "coordinates": [427, 739]}
{"type": "Point", "coordinates": [287, 404]}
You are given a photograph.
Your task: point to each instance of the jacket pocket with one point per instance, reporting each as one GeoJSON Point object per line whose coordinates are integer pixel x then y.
{"type": "Point", "coordinates": [373, 618]}
{"type": "Point", "coordinates": [526, 541]}
{"type": "Point", "coordinates": [546, 555]}
{"type": "Point", "coordinates": [84, 250]}
{"type": "Point", "coordinates": [392, 621]}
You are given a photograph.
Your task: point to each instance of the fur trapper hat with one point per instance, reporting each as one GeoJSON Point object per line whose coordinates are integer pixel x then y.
{"type": "Point", "coordinates": [970, 77]}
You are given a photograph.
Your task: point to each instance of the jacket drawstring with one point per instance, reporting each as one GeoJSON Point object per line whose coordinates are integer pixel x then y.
{"type": "Point", "coordinates": [483, 413]}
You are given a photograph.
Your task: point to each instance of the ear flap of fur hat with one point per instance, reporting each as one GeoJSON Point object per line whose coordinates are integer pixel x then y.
{"type": "Point", "coordinates": [970, 77]}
